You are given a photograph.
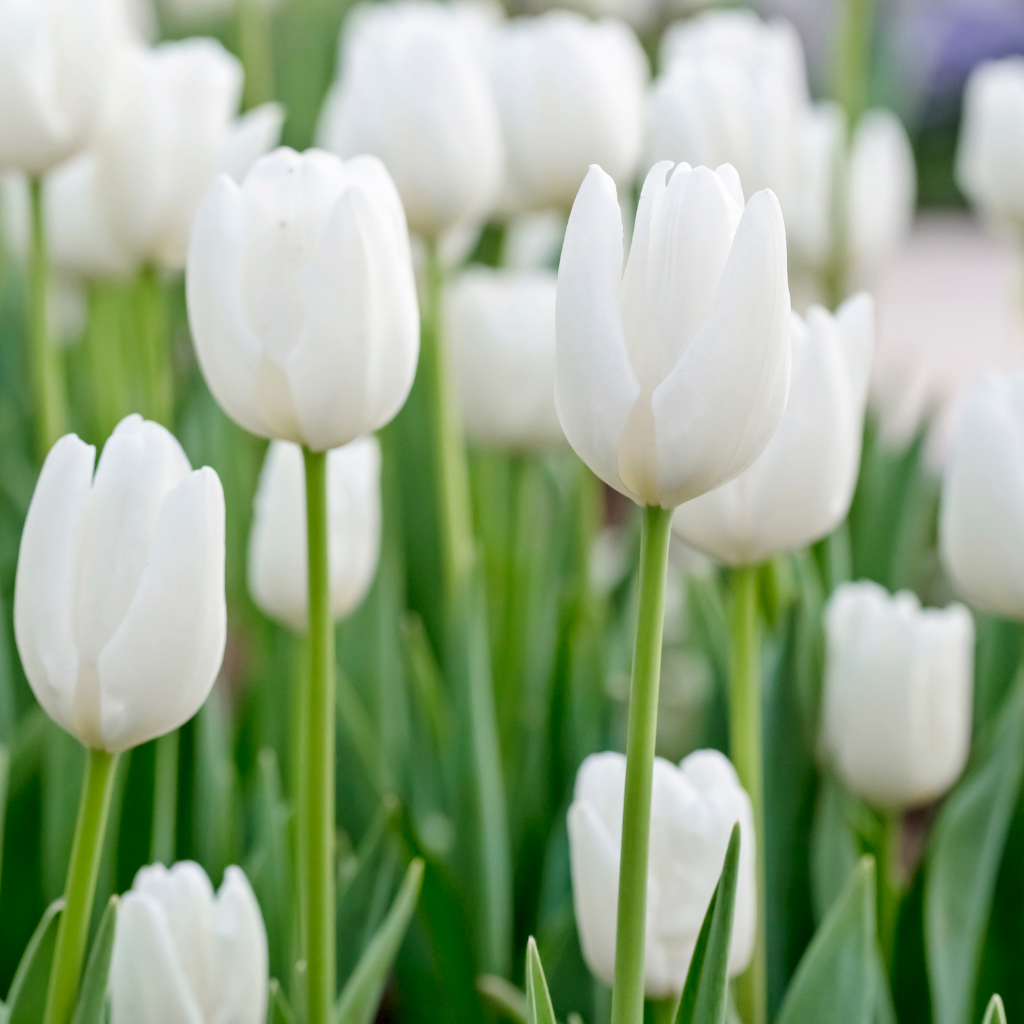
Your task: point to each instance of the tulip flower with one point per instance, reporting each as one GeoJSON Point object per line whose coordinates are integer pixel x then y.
{"type": "Point", "coordinates": [672, 376]}
{"type": "Point", "coordinates": [278, 573]}
{"type": "Point", "coordinates": [302, 299]}
{"type": "Point", "coordinates": [982, 510]}
{"type": "Point", "coordinates": [571, 93]}
{"type": "Point", "coordinates": [800, 487]}
{"type": "Point", "coordinates": [898, 694]}
{"type": "Point", "coordinates": [693, 811]}
{"type": "Point", "coordinates": [501, 326]}
{"type": "Point", "coordinates": [414, 93]}
{"type": "Point", "coordinates": [183, 955]}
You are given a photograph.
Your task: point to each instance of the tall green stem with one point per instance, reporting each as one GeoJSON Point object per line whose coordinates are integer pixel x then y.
{"type": "Point", "coordinates": [745, 747]}
{"type": "Point", "coordinates": [45, 367]}
{"type": "Point", "coordinates": [165, 799]}
{"type": "Point", "coordinates": [255, 44]}
{"type": "Point", "coordinates": [157, 371]}
{"type": "Point", "coordinates": [319, 764]}
{"type": "Point", "coordinates": [891, 883]}
{"type": "Point", "coordinates": [83, 870]}
{"type": "Point", "coordinates": [628, 994]}
{"type": "Point", "coordinates": [105, 354]}
{"type": "Point", "coordinates": [853, 63]}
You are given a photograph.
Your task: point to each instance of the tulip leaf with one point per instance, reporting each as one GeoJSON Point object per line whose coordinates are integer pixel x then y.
{"type": "Point", "coordinates": [5, 764]}
{"type": "Point", "coordinates": [705, 994]}
{"type": "Point", "coordinates": [837, 977]}
{"type": "Point", "coordinates": [996, 1013]}
{"type": "Point", "coordinates": [278, 1010]}
{"type": "Point", "coordinates": [504, 998]}
{"type": "Point", "coordinates": [834, 846]}
{"type": "Point", "coordinates": [963, 862]}
{"type": "Point", "coordinates": [92, 995]}
{"type": "Point", "coordinates": [26, 1000]}
{"type": "Point", "coordinates": [361, 996]}
{"type": "Point", "coordinates": [538, 1000]}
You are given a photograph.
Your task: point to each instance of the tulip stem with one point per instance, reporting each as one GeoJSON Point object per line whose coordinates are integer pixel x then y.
{"type": "Point", "coordinates": [890, 883]}
{"type": "Point", "coordinates": [854, 58]}
{"type": "Point", "coordinates": [165, 799]}
{"type": "Point", "coordinates": [157, 374]}
{"type": "Point", "coordinates": [319, 762]}
{"type": "Point", "coordinates": [255, 45]}
{"type": "Point", "coordinates": [44, 359]}
{"type": "Point", "coordinates": [106, 363]}
{"type": "Point", "coordinates": [745, 748]}
{"type": "Point", "coordinates": [83, 871]}
{"type": "Point", "coordinates": [628, 993]}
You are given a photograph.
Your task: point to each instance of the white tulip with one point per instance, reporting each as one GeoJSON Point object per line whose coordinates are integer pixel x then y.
{"type": "Point", "coordinates": [183, 955]}
{"type": "Point", "coordinates": [693, 810]}
{"type": "Point", "coordinates": [278, 565]}
{"type": "Point", "coordinates": [982, 511]}
{"type": "Point", "coordinates": [413, 92]}
{"type": "Point", "coordinates": [119, 609]}
{"type": "Point", "coordinates": [500, 325]}
{"type": "Point", "coordinates": [671, 377]}
{"type": "Point", "coordinates": [302, 299]}
{"type": "Point", "coordinates": [800, 487]}
{"type": "Point", "coordinates": [899, 682]}
{"type": "Point", "coordinates": [571, 94]}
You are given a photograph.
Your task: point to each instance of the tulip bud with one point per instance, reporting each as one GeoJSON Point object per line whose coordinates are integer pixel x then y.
{"type": "Point", "coordinates": [278, 567]}
{"type": "Point", "coordinates": [183, 955]}
{"type": "Point", "coordinates": [800, 487]}
{"type": "Point", "coordinates": [413, 92]}
{"type": "Point", "coordinates": [119, 609]}
{"type": "Point", "coordinates": [899, 684]}
{"type": "Point", "coordinates": [693, 810]}
{"type": "Point", "coordinates": [302, 299]}
{"type": "Point", "coordinates": [670, 378]}
{"type": "Point", "coordinates": [571, 94]}
{"type": "Point", "coordinates": [501, 328]}
{"type": "Point", "coordinates": [982, 511]}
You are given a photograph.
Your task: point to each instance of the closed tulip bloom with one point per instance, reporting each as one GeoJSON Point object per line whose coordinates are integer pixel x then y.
{"type": "Point", "coordinates": [119, 609]}
{"type": "Point", "coordinates": [693, 810]}
{"type": "Point", "coordinates": [183, 955]}
{"type": "Point", "coordinates": [899, 682]}
{"type": "Point", "coordinates": [670, 378]}
{"type": "Point", "coordinates": [278, 566]}
{"type": "Point", "coordinates": [982, 510]}
{"type": "Point", "coordinates": [799, 488]}
{"type": "Point", "coordinates": [571, 94]}
{"type": "Point", "coordinates": [413, 92]}
{"type": "Point", "coordinates": [501, 328]}
{"type": "Point", "coordinates": [302, 299]}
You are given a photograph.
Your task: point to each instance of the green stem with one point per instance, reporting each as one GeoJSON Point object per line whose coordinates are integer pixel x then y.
{"type": "Point", "coordinates": [628, 994]}
{"type": "Point", "coordinates": [299, 747]}
{"type": "Point", "coordinates": [157, 371]}
{"type": "Point", "coordinates": [745, 747]}
{"type": "Point", "coordinates": [854, 58]}
{"type": "Point", "coordinates": [255, 44]}
{"type": "Point", "coordinates": [106, 365]}
{"type": "Point", "coordinates": [45, 361]}
{"type": "Point", "coordinates": [319, 764]}
{"type": "Point", "coordinates": [664, 1011]}
{"type": "Point", "coordinates": [83, 870]}
{"type": "Point", "coordinates": [165, 799]}
{"type": "Point", "coordinates": [891, 884]}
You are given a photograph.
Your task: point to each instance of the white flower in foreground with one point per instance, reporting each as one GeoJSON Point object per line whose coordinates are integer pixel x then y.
{"type": "Point", "coordinates": [899, 683]}
{"type": "Point", "coordinates": [799, 488]}
{"type": "Point", "coordinates": [183, 955]}
{"type": "Point", "coordinates": [982, 511]}
{"type": "Point", "coordinates": [413, 92]}
{"type": "Point", "coordinates": [278, 563]}
{"type": "Point", "coordinates": [501, 330]}
{"type": "Point", "coordinates": [693, 810]}
{"type": "Point", "coordinates": [672, 376]}
{"type": "Point", "coordinates": [302, 300]}
{"type": "Point", "coordinates": [119, 609]}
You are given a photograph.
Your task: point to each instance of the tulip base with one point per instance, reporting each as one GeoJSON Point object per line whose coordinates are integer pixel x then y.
{"type": "Point", "coordinates": [80, 889]}
{"type": "Point", "coordinates": [628, 993]}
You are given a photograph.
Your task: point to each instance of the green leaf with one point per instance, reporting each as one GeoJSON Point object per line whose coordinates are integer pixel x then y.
{"type": "Point", "coordinates": [5, 763]}
{"type": "Point", "coordinates": [361, 996]}
{"type": "Point", "coordinates": [506, 999]}
{"type": "Point", "coordinates": [93, 992]}
{"type": "Point", "coordinates": [963, 862]}
{"type": "Point", "coordinates": [538, 1000]}
{"type": "Point", "coordinates": [836, 979]}
{"type": "Point", "coordinates": [26, 1000]}
{"type": "Point", "coordinates": [278, 1010]}
{"type": "Point", "coordinates": [995, 1014]}
{"type": "Point", "coordinates": [834, 847]}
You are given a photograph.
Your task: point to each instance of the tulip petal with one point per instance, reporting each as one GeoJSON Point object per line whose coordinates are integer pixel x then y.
{"type": "Point", "coordinates": [240, 957]}
{"type": "Point", "coordinates": [249, 137]}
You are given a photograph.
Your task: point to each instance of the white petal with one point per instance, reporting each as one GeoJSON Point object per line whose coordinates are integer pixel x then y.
{"type": "Point", "coordinates": [240, 959]}
{"type": "Point", "coordinates": [249, 137]}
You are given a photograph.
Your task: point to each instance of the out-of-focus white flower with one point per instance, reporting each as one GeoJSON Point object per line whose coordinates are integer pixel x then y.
{"type": "Point", "coordinates": [119, 609]}
{"type": "Point", "coordinates": [183, 955]}
{"type": "Point", "coordinates": [413, 92]}
{"type": "Point", "coordinates": [533, 241]}
{"type": "Point", "coordinates": [672, 376]}
{"type": "Point", "coordinates": [302, 300]}
{"type": "Point", "coordinates": [799, 488]}
{"type": "Point", "coordinates": [501, 329]}
{"type": "Point", "coordinates": [571, 94]}
{"type": "Point", "coordinates": [899, 682]}
{"type": "Point", "coordinates": [641, 15]}
{"type": "Point", "coordinates": [982, 512]}
{"type": "Point", "coordinates": [693, 810]}
{"type": "Point", "coordinates": [278, 565]}
{"type": "Point", "coordinates": [249, 137]}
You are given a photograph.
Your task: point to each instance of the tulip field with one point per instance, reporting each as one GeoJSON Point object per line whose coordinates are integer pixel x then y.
{"type": "Point", "coordinates": [511, 514]}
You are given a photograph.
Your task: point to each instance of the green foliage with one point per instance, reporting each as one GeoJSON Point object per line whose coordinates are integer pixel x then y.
{"type": "Point", "coordinates": [995, 1013]}
{"type": "Point", "coordinates": [92, 996]}
{"type": "Point", "coordinates": [27, 996]}
{"type": "Point", "coordinates": [538, 1000]}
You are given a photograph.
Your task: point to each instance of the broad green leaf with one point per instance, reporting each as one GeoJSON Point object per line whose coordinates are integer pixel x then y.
{"type": "Point", "coordinates": [995, 1014]}
{"type": "Point", "coordinates": [361, 996]}
{"type": "Point", "coordinates": [963, 861]}
{"type": "Point", "coordinates": [26, 749]}
{"type": "Point", "coordinates": [506, 999]}
{"type": "Point", "coordinates": [5, 761]}
{"type": "Point", "coordinates": [26, 1000]}
{"type": "Point", "coordinates": [278, 1010]}
{"type": "Point", "coordinates": [215, 797]}
{"type": "Point", "coordinates": [538, 1000]}
{"type": "Point", "coordinates": [92, 994]}
{"type": "Point", "coordinates": [834, 847]}
{"type": "Point", "coordinates": [836, 979]}
{"type": "Point", "coordinates": [62, 770]}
